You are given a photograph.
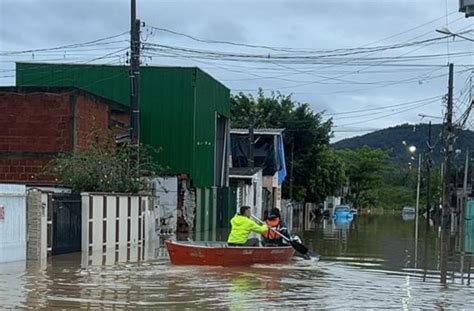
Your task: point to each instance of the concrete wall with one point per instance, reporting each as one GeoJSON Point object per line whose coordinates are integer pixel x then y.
{"type": "Point", "coordinates": [287, 213]}
{"type": "Point", "coordinates": [166, 204]}
{"type": "Point", "coordinates": [251, 194]}
{"type": "Point", "coordinates": [189, 207]}
{"type": "Point", "coordinates": [37, 247]}
{"type": "Point", "coordinates": [310, 214]}
{"type": "Point", "coordinates": [271, 184]}
{"type": "Point", "coordinates": [12, 222]}
{"type": "Point", "coordinates": [330, 203]}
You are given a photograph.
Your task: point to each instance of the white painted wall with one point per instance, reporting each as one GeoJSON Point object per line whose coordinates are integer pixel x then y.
{"type": "Point", "coordinates": [44, 226]}
{"type": "Point", "coordinates": [287, 214]}
{"type": "Point", "coordinates": [13, 224]}
{"type": "Point", "coordinates": [166, 204]}
{"type": "Point", "coordinates": [331, 200]}
{"type": "Point", "coordinates": [251, 194]}
{"type": "Point", "coordinates": [271, 184]}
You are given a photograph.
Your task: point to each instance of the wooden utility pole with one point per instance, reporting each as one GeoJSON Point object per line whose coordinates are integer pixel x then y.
{"type": "Point", "coordinates": [134, 75]}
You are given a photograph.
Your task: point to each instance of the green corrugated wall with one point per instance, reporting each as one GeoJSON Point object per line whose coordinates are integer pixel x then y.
{"type": "Point", "coordinates": [206, 214]}
{"type": "Point", "coordinates": [469, 227]}
{"type": "Point", "coordinates": [178, 107]}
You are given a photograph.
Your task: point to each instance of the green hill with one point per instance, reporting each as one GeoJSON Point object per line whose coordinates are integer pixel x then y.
{"type": "Point", "coordinates": [392, 139]}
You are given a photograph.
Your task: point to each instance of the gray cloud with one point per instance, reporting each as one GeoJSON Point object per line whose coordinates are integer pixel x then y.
{"type": "Point", "coordinates": [321, 24]}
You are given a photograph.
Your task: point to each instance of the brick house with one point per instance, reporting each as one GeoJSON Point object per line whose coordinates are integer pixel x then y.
{"type": "Point", "coordinates": [38, 123]}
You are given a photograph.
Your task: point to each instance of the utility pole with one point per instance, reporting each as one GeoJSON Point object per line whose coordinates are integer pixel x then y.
{"type": "Point", "coordinates": [134, 75]}
{"type": "Point", "coordinates": [447, 188]}
{"type": "Point", "coordinates": [251, 160]}
{"type": "Point", "coordinates": [417, 210]}
{"type": "Point", "coordinates": [448, 150]}
{"type": "Point", "coordinates": [291, 168]}
{"type": "Point", "coordinates": [428, 175]}
{"type": "Point", "coordinates": [462, 213]}
{"type": "Point", "coordinates": [464, 190]}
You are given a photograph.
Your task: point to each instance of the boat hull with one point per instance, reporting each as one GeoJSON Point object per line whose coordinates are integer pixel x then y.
{"type": "Point", "coordinates": [219, 254]}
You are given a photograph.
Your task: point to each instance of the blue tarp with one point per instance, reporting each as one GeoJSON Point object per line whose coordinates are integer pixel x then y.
{"type": "Point", "coordinates": [281, 155]}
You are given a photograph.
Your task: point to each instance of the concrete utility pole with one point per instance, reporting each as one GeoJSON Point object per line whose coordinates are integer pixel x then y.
{"type": "Point", "coordinates": [464, 189]}
{"type": "Point", "coordinates": [134, 75]}
{"type": "Point", "coordinates": [462, 213]}
{"type": "Point", "coordinates": [447, 188]}
{"type": "Point", "coordinates": [428, 175]}
{"type": "Point", "coordinates": [291, 168]}
{"type": "Point", "coordinates": [417, 209]}
{"type": "Point", "coordinates": [448, 149]}
{"type": "Point", "coordinates": [251, 159]}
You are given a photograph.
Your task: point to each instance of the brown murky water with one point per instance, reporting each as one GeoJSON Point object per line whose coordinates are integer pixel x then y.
{"type": "Point", "coordinates": [369, 263]}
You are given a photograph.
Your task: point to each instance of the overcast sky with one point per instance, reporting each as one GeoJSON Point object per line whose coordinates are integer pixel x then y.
{"type": "Point", "coordinates": [296, 24]}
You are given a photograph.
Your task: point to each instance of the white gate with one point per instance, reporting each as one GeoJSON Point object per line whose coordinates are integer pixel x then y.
{"type": "Point", "coordinates": [114, 227]}
{"type": "Point", "coordinates": [12, 222]}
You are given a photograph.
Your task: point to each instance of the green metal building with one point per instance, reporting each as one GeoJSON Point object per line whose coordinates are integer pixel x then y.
{"type": "Point", "coordinates": [184, 112]}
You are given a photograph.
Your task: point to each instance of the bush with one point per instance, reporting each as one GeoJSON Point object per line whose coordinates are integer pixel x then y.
{"type": "Point", "coordinates": [106, 168]}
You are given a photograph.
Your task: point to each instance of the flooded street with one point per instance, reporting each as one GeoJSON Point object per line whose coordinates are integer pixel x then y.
{"type": "Point", "coordinates": [369, 263]}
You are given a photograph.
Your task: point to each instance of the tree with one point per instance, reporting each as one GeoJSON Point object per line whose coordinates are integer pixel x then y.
{"type": "Point", "coordinates": [318, 172]}
{"type": "Point", "coordinates": [364, 169]}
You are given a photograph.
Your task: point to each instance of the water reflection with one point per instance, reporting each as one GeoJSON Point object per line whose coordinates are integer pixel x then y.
{"type": "Point", "coordinates": [342, 224]}
{"type": "Point", "coordinates": [367, 263]}
{"type": "Point", "coordinates": [408, 217]}
{"type": "Point", "coordinates": [388, 242]}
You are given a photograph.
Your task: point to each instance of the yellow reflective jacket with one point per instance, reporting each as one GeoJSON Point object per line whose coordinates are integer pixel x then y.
{"type": "Point", "coordinates": [241, 228]}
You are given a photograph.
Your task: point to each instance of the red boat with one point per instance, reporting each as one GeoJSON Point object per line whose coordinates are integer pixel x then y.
{"type": "Point", "coordinates": [220, 254]}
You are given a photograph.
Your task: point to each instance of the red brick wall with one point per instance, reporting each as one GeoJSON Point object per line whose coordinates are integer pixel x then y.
{"type": "Point", "coordinates": [35, 122]}
{"type": "Point", "coordinates": [30, 171]}
{"type": "Point", "coordinates": [34, 127]}
{"type": "Point", "coordinates": [92, 118]}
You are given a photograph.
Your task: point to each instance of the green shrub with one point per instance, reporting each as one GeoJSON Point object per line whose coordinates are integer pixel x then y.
{"type": "Point", "coordinates": [107, 168]}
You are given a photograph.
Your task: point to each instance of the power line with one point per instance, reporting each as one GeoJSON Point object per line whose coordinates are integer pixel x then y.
{"type": "Point", "coordinates": [385, 116]}
{"type": "Point", "coordinates": [69, 46]}
{"type": "Point", "coordinates": [386, 107]}
{"type": "Point", "coordinates": [285, 49]}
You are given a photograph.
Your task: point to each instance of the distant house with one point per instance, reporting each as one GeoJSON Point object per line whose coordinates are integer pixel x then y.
{"type": "Point", "coordinates": [269, 155]}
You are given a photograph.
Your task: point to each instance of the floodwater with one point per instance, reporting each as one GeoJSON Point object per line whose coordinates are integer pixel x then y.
{"type": "Point", "coordinates": [368, 263]}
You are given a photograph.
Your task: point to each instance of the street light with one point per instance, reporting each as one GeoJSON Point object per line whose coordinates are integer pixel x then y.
{"type": "Point", "coordinates": [412, 150]}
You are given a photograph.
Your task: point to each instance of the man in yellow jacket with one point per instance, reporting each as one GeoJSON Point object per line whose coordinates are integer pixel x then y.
{"type": "Point", "coordinates": [242, 226]}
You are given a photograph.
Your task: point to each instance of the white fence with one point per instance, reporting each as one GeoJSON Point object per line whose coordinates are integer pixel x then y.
{"type": "Point", "coordinates": [12, 222]}
{"type": "Point", "coordinates": [116, 227]}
